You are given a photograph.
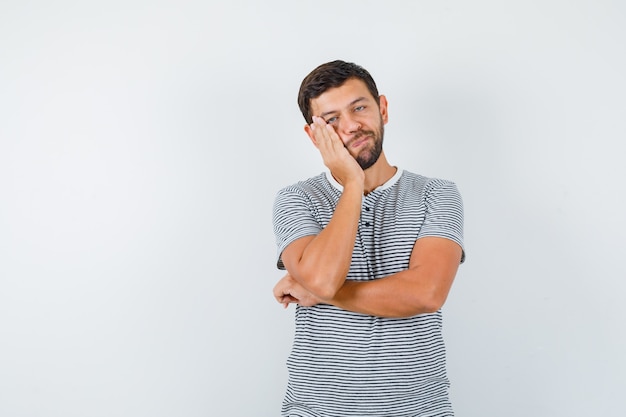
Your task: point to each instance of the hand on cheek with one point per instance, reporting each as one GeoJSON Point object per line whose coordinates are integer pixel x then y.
{"type": "Point", "coordinates": [336, 157]}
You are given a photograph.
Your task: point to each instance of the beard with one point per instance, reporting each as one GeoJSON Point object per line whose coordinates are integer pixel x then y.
{"type": "Point", "coordinates": [368, 156]}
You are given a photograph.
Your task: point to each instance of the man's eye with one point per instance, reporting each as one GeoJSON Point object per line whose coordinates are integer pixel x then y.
{"type": "Point", "coordinates": [359, 108]}
{"type": "Point", "coordinates": [331, 120]}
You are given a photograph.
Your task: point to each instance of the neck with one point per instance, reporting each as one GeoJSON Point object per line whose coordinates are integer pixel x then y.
{"type": "Point", "coordinates": [378, 174]}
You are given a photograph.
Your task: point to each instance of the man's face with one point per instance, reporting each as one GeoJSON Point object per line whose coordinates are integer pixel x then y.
{"type": "Point", "coordinates": [356, 117]}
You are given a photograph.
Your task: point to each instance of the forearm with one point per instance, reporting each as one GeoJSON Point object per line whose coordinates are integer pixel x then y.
{"type": "Point", "coordinates": [398, 295]}
{"type": "Point", "coordinates": [325, 261]}
{"type": "Point", "coordinates": [421, 288]}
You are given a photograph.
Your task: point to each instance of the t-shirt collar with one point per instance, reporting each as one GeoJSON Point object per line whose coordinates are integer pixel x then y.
{"type": "Point", "coordinates": [390, 182]}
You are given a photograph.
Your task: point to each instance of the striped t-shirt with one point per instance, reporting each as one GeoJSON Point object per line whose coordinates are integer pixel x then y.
{"type": "Point", "coordinates": [349, 364]}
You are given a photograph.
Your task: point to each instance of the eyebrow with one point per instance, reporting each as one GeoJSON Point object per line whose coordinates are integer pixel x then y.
{"type": "Point", "coordinates": [352, 103]}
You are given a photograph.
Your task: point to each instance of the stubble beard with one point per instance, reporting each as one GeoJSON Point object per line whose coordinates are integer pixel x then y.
{"type": "Point", "coordinates": [368, 156]}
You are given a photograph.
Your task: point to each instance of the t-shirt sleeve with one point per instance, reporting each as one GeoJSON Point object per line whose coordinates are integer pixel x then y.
{"type": "Point", "coordinates": [293, 218]}
{"type": "Point", "coordinates": [444, 212]}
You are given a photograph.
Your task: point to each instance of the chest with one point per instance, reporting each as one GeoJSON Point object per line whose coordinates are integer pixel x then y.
{"type": "Point", "coordinates": [388, 227]}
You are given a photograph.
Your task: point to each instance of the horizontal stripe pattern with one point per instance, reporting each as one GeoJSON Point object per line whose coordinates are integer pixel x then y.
{"type": "Point", "coordinates": [349, 364]}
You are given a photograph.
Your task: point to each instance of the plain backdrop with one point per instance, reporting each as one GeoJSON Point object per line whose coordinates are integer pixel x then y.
{"type": "Point", "coordinates": [142, 144]}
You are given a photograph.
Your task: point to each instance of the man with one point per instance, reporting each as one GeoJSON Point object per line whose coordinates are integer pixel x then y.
{"type": "Point", "coordinates": [371, 252]}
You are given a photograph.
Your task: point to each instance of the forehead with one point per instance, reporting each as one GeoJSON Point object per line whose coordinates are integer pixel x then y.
{"type": "Point", "coordinates": [338, 98]}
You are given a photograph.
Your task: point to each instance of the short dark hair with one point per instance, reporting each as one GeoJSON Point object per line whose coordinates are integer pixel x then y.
{"type": "Point", "coordinates": [331, 75]}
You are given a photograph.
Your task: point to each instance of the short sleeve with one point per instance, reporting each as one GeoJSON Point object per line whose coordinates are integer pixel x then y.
{"type": "Point", "coordinates": [293, 218]}
{"type": "Point", "coordinates": [444, 212]}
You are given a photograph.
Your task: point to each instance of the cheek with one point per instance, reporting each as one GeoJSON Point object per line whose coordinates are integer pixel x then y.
{"type": "Point", "coordinates": [344, 138]}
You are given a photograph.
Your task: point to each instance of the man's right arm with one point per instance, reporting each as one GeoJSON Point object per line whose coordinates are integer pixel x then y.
{"type": "Point", "coordinates": [321, 263]}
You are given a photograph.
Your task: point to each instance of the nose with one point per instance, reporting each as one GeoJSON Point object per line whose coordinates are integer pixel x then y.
{"type": "Point", "coordinates": [350, 125]}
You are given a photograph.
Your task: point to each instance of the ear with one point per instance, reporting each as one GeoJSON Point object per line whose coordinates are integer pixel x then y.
{"type": "Point", "coordinates": [309, 132]}
{"type": "Point", "coordinates": [383, 109]}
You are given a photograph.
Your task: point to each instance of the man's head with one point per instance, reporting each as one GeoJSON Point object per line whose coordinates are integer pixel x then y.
{"type": "Point", "coordinates": [331, 75]}
{"type": "Point", "coordinates": [345, 96]}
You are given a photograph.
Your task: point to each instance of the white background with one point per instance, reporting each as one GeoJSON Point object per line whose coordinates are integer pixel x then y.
{"type": "Point", "coordinates": [142, 144]}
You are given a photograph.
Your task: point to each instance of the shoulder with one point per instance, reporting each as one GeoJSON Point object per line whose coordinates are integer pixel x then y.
{"type": "Point", "coordinates": [305, 185]}
{"type": "Point", "coordinates": [423, 184]}
{"type": "Point", "coordinates": [314, 188]}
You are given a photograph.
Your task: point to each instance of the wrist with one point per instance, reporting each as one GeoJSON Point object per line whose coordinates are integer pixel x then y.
{"type": "Point", "coordinates": [354, 184]}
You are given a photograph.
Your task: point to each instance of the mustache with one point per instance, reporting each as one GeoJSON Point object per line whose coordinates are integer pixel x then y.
{"type": "Point", "coordinates": [359, 135]}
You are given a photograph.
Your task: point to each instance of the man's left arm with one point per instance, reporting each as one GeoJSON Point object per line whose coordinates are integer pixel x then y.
{"type": "Point", "coordinates": [422, 288]}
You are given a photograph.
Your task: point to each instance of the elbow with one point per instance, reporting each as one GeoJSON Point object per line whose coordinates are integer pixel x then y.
{"type": "Point", "coordinates": [431, 307]}
{"type": "Point", "coordinates": [432, 302]}
{"type": "Point", "coordinates": [325, 289]}
{"type": "Point", "coordinates": [325, 292]}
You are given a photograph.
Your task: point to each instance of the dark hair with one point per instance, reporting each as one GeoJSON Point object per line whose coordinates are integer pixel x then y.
{"type": "Point", "coordinates": [331, 75]}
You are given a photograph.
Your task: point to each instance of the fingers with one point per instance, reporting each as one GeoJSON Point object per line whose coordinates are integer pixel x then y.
{"type": "Point", "coordinates": [288, 291]}
{"type": "Point", "coordinates": [329, 144]}
{"type": "Point", "coordinates": [284, 296]}
{"type": "Point", "coordinates": [288, 299]}
{"type": "Point", "coordinates": [283, 291]}
{"type": "Point", "coordinates": [325, 136]}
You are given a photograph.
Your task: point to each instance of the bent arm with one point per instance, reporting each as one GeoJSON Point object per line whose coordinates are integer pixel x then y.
{"type": "Point", "coordinates": [422, 288]}
{"type": "Point", "coordinates": [320, 263]}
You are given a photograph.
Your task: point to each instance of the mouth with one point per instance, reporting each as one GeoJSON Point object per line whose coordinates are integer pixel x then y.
{"type": "Point", "coordinates": [357, 142]}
